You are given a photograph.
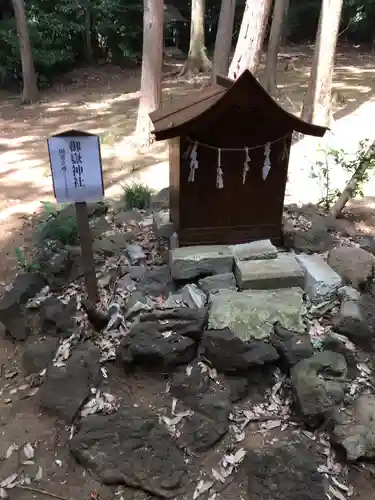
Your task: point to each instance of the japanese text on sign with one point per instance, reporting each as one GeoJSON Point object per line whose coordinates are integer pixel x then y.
{"type": "Point", "coordinates": [76, 168]}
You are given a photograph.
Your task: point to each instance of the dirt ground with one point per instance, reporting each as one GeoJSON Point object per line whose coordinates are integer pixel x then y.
{"type": "Point", "coordinates": [103, 100]}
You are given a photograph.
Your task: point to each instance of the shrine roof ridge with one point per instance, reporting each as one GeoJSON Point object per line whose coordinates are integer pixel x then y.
{"type": "Point", "coordinates": [178, 117]}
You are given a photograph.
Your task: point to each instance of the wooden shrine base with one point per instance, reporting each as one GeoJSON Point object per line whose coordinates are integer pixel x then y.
{"type": "Point", "coordinates": [229, 235]}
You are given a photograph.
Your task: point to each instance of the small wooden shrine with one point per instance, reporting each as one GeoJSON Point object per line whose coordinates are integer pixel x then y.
{"type": "Point", "coordinates": [229, 151]}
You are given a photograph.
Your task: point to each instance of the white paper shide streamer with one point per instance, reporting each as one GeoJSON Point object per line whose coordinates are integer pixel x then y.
{"type": "Point", "coordinates": [246, 166]}
{"type": "Point", "coordinates": [267, 161]}
{"type": "Point", "coordinates": [193, 162]}
{"type": "Point", "coordinates": [219, 171]}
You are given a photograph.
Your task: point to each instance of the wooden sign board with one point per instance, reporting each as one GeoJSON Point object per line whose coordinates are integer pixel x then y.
{"type": "Point", "coordinates": [76, 167]}
{"type": "Point", "coordinates": [77, 177]}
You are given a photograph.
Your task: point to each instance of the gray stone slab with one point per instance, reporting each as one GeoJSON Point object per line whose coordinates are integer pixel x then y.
{"type": "Point", "coordinates": [226, 281]}
{"type": "Point", "coordinates": [254, 250]}
{"type": "Point", "coordinates": [162, 226]}
{"type": "Point", "coordinates": [282, 272]}
{"type": "Point", "coordinates": [321, 281]}
{"type": "Point", "coordinates": [192, 262]}
{"type": "Point", "coordinates": [251, 315]}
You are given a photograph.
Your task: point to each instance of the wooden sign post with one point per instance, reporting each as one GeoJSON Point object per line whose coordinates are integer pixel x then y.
{"type": "Point", "coordinates": [77, 177]}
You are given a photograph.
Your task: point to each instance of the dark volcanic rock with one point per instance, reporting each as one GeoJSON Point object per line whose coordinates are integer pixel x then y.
{"type": "Point", "coordinates": [239, 388]}
{"type": "Point", "coordinates": [354, 428]}
{"type": "Point", "coordinates": [38, 354]}
{"type": "Point", "coordinates": [148, 344]}
{"type": "Point", "coordinates": [314, 240]}
{"type": "Point", "coordinates": [183, 321]}
{"type": "Point", "coordinates": [131, 447]}
{"type": "Point", "coordinates": [57, 318]}
{"type": "Point", "coordinates": [156, 282]}
{"type": "Point", "coordinates": [291, 346]}
{"type": "Point", "coordinates": [196, 391]}
{"type": "Point", "coordinates": [334, 344]}
{"type": "Point", "coordinates": [200, 433]}
{"type": "Point", "coordinates": [25, 287]}
{"type": "Point", "coordinates": [228, 353]}
{"type": "Point", "coordinates": [66, 388]}
{"type": "Point", "coordinates": [285, 470]}
{"type": "Point", "coordinates": [319, 382]}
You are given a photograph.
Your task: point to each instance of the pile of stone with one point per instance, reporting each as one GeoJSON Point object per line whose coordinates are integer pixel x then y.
{"type": "Point", "coordinates": [219, 323]}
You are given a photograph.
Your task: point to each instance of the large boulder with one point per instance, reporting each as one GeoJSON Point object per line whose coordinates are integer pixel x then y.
{"type": "Point", "coordinates": [354, 265]}
{"type": "Point", "coordinates": [319, 383]}
{"type": "Point", "coordinates": [132, 448]}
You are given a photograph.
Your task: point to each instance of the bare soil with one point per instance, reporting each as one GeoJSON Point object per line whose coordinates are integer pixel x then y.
{"type": "Point", "coordinates": [103, 100]}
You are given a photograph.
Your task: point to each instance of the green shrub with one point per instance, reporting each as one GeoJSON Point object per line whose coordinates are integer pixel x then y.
{"type": "Point", "coordinates": [137, 196]}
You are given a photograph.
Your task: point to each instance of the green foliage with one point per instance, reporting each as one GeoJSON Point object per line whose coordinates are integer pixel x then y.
{"type": "Point", "coordinates": [57, 32]}
{"type": "Point", "coordinates": [60, 228]}
{"type": "Point", "coordinates": [137, 196]}
{"type": "Point", "coordinates": [49, 209]}
{"type": "Point", "coordinates": [349, 164]}
{"type": "Point", "coordinates": [57, 225]}
{"type": "Point", "coordinates": [23, 262]}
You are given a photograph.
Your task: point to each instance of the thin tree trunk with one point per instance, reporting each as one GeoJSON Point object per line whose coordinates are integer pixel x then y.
{"type": "Point", "coordinates": [197, 59]}
{"type": "Point", "coordinates": [224, 36]}
{"type": "Point", "coordinates": [349, 189]}
{"type": "Point", "coordinates": [251, 36]}
{"type": "Point", "coordinates": [269, 78]}
{"type": "Point", "coordinates": [152, 67]}
{"type": "Point", "coordinates": [30, 91]}
{"type": "Point", "coordinates": [317, 105]}
{"type": "Point", "coordinates": [88, 43]}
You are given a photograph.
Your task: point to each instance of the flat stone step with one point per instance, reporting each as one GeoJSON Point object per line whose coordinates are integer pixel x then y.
{"type": "Point", "coordinates": [251, 315]}
{"type": "Point", "coordinates": [191, 262]}
{"type": "Point", "coordinates": [321, 281]}
{"type": "Point", "coordinates": [255, 250]}
{"type": "Point", "coordinates": [283, 272]}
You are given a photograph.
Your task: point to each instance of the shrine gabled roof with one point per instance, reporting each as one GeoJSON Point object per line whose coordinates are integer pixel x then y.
{"type": "Point", "coordinates": [179, 116]}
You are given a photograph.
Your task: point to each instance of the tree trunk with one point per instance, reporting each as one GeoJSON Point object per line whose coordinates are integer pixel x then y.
{"type": "Point", "coordinates": [197, 59]}
{"type": "Point", "coordinates": [317, 105]}
{"type": "Point", "coordinates": [269, 78]}
{"type": "Point", "coordinates": [224, 36]}
{"type": "Point", "coordinates": [349, 189]}
{"type": "Point", "coordinates": [88, 43]}
{"type": "Point", "coordinates": [30, 91]}
{"type": "Point", "coordinates": [250, 38]}
{"type": "Point", "coordinates": [152, 67]}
